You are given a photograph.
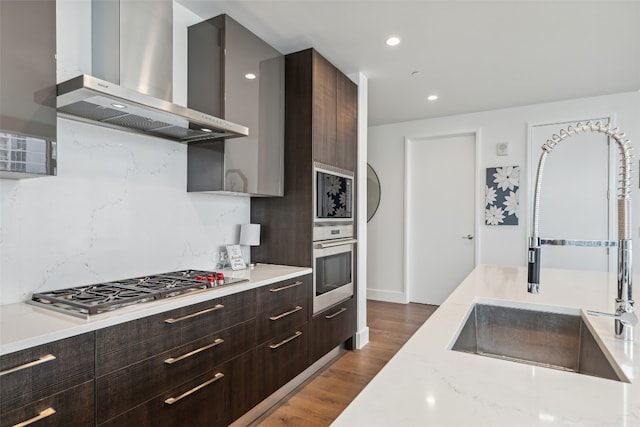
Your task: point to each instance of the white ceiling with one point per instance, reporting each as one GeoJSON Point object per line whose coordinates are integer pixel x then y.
{"type": "Point", "coordinates": [476, 55]}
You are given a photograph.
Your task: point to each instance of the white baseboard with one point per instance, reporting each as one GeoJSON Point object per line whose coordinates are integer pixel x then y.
{"type": "Point", "coordinates": [387, 296]}
{"type": "Point", "coordinates": [362, 337]}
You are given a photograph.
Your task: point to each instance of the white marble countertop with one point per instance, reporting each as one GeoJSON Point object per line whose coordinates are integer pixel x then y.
{"type": "Point", "coordinates": [23, 325]}
{"type": "Point", "coordinates": [427, 384]}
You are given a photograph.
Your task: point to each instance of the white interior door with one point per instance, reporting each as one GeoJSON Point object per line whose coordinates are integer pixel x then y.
{"type": "Point", "coordinates": [440, 219]}
{"type": "Point", "coordinates": [574, 198]}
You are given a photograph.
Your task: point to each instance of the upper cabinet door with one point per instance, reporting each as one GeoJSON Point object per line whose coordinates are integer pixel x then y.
{"type": "Point", "coordinates": [235, 75]}
{"type": "Point", "coordinates": [347, 123]}
{"type": "Point", "coordinates": [324, 110]}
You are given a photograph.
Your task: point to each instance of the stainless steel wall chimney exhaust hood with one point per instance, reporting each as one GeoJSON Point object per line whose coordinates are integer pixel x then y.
{"type": "Point", "coordinates": [131, 86]}
{"type": "Point", "coordinates": [90, 99]}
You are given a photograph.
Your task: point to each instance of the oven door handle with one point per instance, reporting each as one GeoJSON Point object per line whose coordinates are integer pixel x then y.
{"type": "Point", "coordinates": [334, 243]}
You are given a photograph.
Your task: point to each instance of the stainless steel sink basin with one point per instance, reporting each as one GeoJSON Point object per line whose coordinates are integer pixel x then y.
{"type": "Point", "coordinates": [540, 338]}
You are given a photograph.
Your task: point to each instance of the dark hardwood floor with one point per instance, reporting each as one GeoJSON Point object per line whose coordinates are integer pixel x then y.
{"type": "Point", "coordinates": [320, 400]}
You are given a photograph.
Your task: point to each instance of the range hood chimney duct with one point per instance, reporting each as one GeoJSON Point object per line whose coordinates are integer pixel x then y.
{"type": "Point", "coordinates": [132, 82]}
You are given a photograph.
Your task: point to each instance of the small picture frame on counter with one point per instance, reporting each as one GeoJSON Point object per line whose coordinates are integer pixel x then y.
{"type": "Point", "coordinates": [235, 257]}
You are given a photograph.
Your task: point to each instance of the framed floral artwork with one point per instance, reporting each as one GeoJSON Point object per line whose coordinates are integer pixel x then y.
{"type": "Point", "coordinates": [501, 195]}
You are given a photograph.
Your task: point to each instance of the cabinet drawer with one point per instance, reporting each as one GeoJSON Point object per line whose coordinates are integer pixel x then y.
{"type": "Point", "coordinates": [125, 388]}
{"type": "Point", "coordinates": [281, 359]}
{"type": "Point", "coordinates": [331, 328]}
{"type": "Point", "coordinates": [200, 401]}
{"type": "Point", "coordinates": [37, 372]}
{"type": "Point", "coordinates": [283, 305]}
{"type": "Point", "coordinates": [124, 344]}
{"type": "Point", "coordinates": [73, 407]}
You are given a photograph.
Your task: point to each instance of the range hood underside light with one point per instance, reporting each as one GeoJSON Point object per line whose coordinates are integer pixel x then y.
{"type": "Point", "coordinates": [90, 99]}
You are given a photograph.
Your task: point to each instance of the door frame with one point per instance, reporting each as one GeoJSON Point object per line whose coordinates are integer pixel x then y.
{"type": "Point", "coordinates": [407, 186]}
{"type": "Point", "coordinates": [532, 166]}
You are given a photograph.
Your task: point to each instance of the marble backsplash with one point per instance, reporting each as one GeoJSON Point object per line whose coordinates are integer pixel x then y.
{"type": "Point", "coordinates": [118, 208]}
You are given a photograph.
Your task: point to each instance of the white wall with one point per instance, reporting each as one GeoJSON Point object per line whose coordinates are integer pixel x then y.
{"type": "Point", "coordinates": [119, 206]}
{"type": "Point", "coordinates": [497, 245]}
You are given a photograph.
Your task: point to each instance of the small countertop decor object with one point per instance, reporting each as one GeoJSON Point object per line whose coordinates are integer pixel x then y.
{"type": "Point", "coordinates": [235, 257]}
{"type": "Point", "coordinates": [250, 236]}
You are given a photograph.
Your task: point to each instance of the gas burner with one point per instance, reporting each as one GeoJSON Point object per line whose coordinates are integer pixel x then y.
{"type": "Point", "coordinates": [85, 301]}
{"type": "Point", "coordinates": [95, 299]}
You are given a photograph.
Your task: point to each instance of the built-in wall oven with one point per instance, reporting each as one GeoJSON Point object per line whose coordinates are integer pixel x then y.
{"type": "Point", "coordinates": [333, 264]}
{"type": "Point", "coordinates": [333, 236]}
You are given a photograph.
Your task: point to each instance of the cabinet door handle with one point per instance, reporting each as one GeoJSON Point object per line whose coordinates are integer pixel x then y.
{"type": "Point", "coordinates": [334, 243]}
{"type": "Point", "coordinates": [43, 359]}
{"type": "Point", "coordinates": [286, 313]}
{"type": "Point", "coordinates": [283, 342]}
{"type": "Point", "coordinates": [199, 313]}
{"type": "Point", "coordinates": [172, 360]}
{"type": "Point", "coordinates": [282, 288]}
{"type": "Point", "coordinates": [331, 316]}
{"type": "Point", "coordinates": [172, 400]}
{"type": "Point", "coordinates": [42, 415]}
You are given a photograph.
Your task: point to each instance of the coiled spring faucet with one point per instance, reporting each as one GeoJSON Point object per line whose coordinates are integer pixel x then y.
{"type": "Point", "coordinates": [625, 318]}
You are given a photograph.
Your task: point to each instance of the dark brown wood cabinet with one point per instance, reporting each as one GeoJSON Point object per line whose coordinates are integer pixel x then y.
{"type": "Point", "coordinates": [347, 123]}
{"type": "Point", "coordinates": [320, 126]}
{"type": "Point", "coordinates": [204, 364]}
{"type": "Point", "coordinates": [283, 334]}
{"type": "Point", "coordinates": [324, 101]}
{"type": "Point", "coordinates": [334, 113]}
{"type": "Point", "coordinates": [36, 378]}
{"type": "Point", "coordinates": [73, 407]}
{"type": "Point", "coordinates": [282, 306]}
{"type": "Point", "coordinates": [201, 401]}
{"type": "Point", "coordinates": [130, 342]}
{"type": "Point", "coordinates": [168, 362]}
{"type": "Point", "coordinates": [331, 327]}
{"type": "Point", "coordinates": [132, 385]}
{"type": "Point", "coordinates": [216, 397]}
{"type": "Point", "coordinates": [282, 358]}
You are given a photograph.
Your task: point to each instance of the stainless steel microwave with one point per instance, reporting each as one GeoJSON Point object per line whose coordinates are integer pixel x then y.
{"type": "Point", "coordinates": [333, 194]}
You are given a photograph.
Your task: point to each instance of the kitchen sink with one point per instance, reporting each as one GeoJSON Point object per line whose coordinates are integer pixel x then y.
{"type": "Point", "coordinates": [535, 337]}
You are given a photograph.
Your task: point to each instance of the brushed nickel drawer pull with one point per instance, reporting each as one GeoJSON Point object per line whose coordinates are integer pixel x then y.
{"type": "Point", "coordinates": [199, 313]}
{"type": "Point", "coordinates": [43, 359]}
{"type": "Point", "coordinates": [172, 400]}
{"type": "Point", "coordinates": [42, 415]}
{"type": "Point", "coordinates": [286, 313]}
{"type": "Point", "coordinates": [172, 360]}
{"type": "Point", "coordinates": [331, 316]}
{"type": "Point", "coordinates": [281, 343]}
{"type": "Point", "coordinates": [282, 288]}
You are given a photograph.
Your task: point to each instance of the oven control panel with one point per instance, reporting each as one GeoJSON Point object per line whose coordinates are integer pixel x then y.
{"type": "Point", "coordinates": [328, 232]}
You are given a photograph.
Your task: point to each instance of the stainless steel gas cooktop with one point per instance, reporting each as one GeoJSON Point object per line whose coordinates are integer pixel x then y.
{"type": "Point", "coordinates": [85, 301]}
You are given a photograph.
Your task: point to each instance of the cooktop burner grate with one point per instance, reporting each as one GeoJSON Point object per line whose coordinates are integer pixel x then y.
{"type": "Point", "coordinates": [85, 301]}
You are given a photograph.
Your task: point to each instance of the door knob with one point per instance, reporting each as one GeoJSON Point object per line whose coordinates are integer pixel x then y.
{"type": "Point", "coordinates": [468, 237]}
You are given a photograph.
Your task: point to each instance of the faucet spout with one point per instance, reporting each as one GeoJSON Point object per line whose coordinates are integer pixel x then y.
{"type": "Point", "coordinates": [624, 301]}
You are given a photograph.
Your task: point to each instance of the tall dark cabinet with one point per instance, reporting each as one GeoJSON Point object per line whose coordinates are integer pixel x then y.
{"type": "Point", "coordinates": [321, 106]}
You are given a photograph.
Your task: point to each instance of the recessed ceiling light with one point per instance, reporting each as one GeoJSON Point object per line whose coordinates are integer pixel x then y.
{"type": "Point", "coordinates": [393, 41]}
{"type": "Point", "coordinates": [206, 130]}
{"type": "Point", "coordinates": [432, 97]}
{"type": "Point", "coordinates": [250, 76]}
{"type": "Point", "coordinates": [119, 105]}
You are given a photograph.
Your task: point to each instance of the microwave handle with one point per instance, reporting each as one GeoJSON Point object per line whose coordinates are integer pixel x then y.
{"type": "Point", "coordinates": [333, 243]}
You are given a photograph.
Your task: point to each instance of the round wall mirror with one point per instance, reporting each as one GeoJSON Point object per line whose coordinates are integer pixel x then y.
{"type": "Point", "coordinates": [373, 192]}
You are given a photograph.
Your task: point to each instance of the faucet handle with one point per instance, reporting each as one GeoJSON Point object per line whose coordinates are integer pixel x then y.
{"type": "Point", "coordinates": [626, 317]}
{"type": "Point", "coordinates": [533, 267]}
